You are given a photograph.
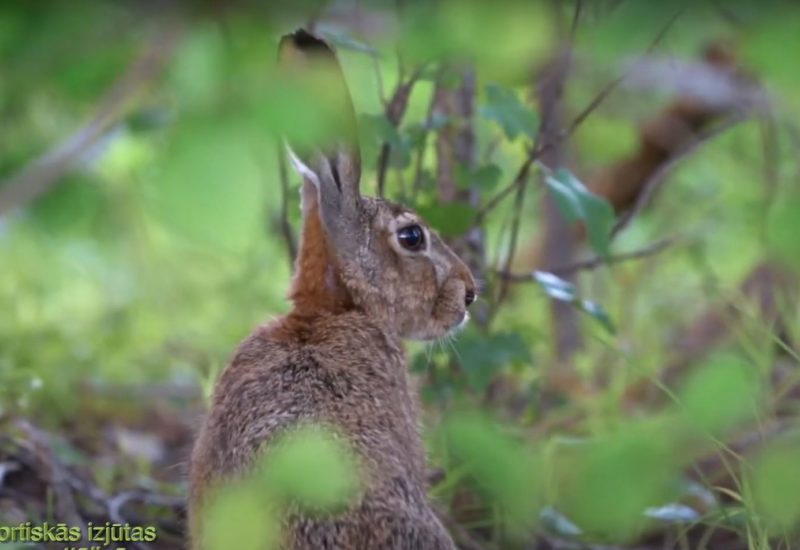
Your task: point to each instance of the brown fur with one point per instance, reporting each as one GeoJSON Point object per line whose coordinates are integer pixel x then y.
{"type": "Point", "coordinates": [337, 359]}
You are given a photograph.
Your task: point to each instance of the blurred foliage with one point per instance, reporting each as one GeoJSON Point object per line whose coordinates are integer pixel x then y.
{"type": "Point", "coordinates": [145, 264]}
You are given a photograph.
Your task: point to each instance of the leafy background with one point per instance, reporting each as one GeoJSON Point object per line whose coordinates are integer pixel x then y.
{"type": "Point", "coordinates": [631, 376]}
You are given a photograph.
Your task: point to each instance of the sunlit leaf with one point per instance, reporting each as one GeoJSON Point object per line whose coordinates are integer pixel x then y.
{"type": "Point", "coordinates": [558, 523]}
{"type": "Point", "coordinates": [597, 312]}
{"type": "Point", "coordinates": [673, 513]}
{"type": "Point", "coordinates": [555, 286]}
{"type": "Point", "coordinates": [564, 291]}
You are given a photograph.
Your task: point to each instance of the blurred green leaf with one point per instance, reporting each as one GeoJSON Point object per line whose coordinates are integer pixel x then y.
{"type": "Point", "coordinates": [577, 203]}
{"type": "Point", "coordinates": [504, 107]}
{"type": "Point", "coordinates": [777, 486]}
{"type": "Point", "coordinates": [613, 482]}
{"type": "Point", "coordinates": [239, 517]}
{"type": "Point", "coordinates": [503, 468]}
{"type": "Point", "coordinates": [783, 227]}
{"type": "Point", "coordinates": [312, 467]}
{"type": "Point", "coordinates": [722, 394]}
{"type": "Point", "coordinates": [210, 187]}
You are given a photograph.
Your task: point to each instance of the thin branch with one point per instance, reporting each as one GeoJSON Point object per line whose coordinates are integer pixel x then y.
{"type": "Point", "coordinates": [595, 262]}
{"type": "Point", "coordinates": [40, 175]}
{"type": "Point", "coordinates": [519, 178]}
{"type": "Point", "coordinates": [519, 200]}
{"type": "Point", "coordinates": [614, 84]}
{"type": "Point", "coordinates": [770, 155]}
{"type": "Point", "coordinates": [426, 130]}
{"type": "Point", "coordinates": [654, 182]}
{"type": "Point", "coordinates": [549, 89]}
{"type": "Point", "coordinates": [379, 81]}
{"type": "Point", "coordinates": [395, 110]}
{"type": "Point", "coordinates": [576, 16]}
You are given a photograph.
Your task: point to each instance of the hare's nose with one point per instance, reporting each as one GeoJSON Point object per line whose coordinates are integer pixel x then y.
{"type": "Point", "coordinates": [469, 297]}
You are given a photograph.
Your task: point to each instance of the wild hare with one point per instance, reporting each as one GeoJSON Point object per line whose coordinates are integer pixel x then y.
{"type": "Point", "coordinates": [369, 273]}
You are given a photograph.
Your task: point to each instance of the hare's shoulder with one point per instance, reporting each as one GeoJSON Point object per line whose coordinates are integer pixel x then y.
{"type": "Point", "coordinates": [290, 370]}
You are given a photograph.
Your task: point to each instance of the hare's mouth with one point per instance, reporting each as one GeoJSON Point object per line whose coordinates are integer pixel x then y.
{"type": "Point", "coordinates": [460, 326]}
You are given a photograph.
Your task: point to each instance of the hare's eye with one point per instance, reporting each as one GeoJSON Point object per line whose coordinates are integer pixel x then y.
{"type": "Point", "coordinates": [411, 237]}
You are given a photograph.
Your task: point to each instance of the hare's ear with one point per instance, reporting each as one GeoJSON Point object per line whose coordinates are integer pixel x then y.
{"type": "Point", "coordinates": [329, 159]}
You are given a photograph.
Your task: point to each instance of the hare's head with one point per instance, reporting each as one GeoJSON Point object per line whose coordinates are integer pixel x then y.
{"type": "Point", "coordinates": [368, 253]}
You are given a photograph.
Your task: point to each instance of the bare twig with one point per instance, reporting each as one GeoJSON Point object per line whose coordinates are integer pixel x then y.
{"type": "Point", "coordinates": [42, 459]}
{"type": "Point", "coordinates": [519, 179]}
{"type": "Point", "coordinates": [395, 110]}
{"type": "Point", "coordinates": [512, 247]}
{"type": "Point", "coordinates": [576, 17]}
{"type": "Point", "coordinates": [595, 262]}
{"type": "Point", "coordinates": [655, 180]}
{"type": "Point", "coordinates": [611, 86]}
{"type": "Point", "coordinates": [770, 151]}
{"type": "Point", "coordinates": [549, 89]}
{"type": "Point", "coordinates": [425, 132]}
{"type": "Point", "coordinates": [40, 175]}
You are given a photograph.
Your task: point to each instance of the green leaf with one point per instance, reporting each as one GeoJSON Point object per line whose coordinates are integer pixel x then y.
{"type": "Point", "coordinates": [577, 203]}
{"type": "Point", "coordinates": [450, 220]}
{"type": "Point", "coordinates": [378, 128]}
{"type": "Point", "coordinates": [481, 357]}
{"type": "Point", "coordinates": [504, 107]}
{"type": "Point", "coordinates": [485, 177]}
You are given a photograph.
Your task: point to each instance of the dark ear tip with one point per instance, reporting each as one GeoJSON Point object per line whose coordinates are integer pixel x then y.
{"type": "Point", "coordinates": [303, 40]}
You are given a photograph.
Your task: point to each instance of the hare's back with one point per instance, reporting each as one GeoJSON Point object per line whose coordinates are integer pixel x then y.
{"type": "Point", "coordinates": [338, 373]}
